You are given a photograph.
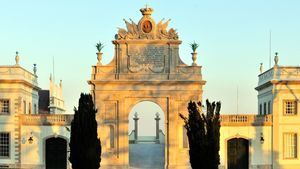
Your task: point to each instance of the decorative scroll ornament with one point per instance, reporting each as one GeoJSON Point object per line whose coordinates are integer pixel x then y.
{"type": "Point", "coordinates": [146, 28]}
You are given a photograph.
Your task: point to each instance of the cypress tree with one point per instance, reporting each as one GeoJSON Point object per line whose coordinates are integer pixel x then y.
{"type": "Point", "coordinates": [203, 132]}
{"type": "Point", "coordinates": [85, 146]}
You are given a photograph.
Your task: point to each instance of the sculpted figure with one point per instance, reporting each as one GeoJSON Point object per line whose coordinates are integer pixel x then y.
{"type": "Point", "coordinates": [129, 26]}
{"type": "Point", "coordinates": [173, 34]}
{"type": "Point", "coordinates": [164, 27]}
{"type": "Point", "coordinates": [135, 27]}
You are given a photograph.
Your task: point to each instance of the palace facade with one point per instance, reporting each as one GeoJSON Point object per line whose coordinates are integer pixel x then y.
{"type": "Point", "coordinates": [35, 131]}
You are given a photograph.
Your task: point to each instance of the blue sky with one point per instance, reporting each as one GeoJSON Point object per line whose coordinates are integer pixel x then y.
{"type": "Point", "coordinates": [233, 38]}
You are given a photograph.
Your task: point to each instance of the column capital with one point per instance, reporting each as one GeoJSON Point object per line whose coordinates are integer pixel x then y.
{"type": "Point", "coordinates": [135, 117]}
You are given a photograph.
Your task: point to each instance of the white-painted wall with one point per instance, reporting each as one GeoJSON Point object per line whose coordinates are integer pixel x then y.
{"type": "Point", "coordinates": [259, 154]}
{"type": "Point", "coordinates": [34, 154]}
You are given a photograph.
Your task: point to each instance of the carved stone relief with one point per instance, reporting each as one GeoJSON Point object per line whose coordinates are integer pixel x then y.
{"type": "Point", "coordinates": [145, 59]}
{"type": "Point", "coordinates": [146, 28]}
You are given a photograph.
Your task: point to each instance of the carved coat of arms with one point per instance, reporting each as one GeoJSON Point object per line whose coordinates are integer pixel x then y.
{"type": "Point", "coordinates": [147, 28]}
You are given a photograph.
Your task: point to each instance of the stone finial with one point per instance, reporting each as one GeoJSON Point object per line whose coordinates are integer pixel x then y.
{"type": "Point", "coordinates": [50, 77]}
{"type": "Point", "coordinates": [146, 11]}
{"type": "Point", "coordinates": [135, 115]}
{"type": "Point", "coordinates": [60, 83]}
{"type": "Point", "coordinates": [261, 68]}
{"type": "Point", "coordinates": [157, 114]}
{"type": "Point", "coordinates": [17, 58]}
{"type": "Point", "coordinates": [34, 68]}
{"type": "Point", "coordinates": [276, 59]}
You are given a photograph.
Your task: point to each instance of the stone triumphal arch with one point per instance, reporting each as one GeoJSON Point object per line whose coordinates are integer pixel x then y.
{"type": "Point", "coordinates": [146, 67]}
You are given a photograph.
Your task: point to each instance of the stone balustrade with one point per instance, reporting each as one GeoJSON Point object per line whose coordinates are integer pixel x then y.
{"type": "Point", "coordinates": [226, 120]}
{"type": "Point", "coordinates": [17, 73]}
{"type": "Point", "coordinates": [246, 120]}
{"type": "Point", "coordinates": [47, 119]}
{"type": "Point", "coordinates": [280, 73]}
{"type": "Point", "coordinates": [266, 76]}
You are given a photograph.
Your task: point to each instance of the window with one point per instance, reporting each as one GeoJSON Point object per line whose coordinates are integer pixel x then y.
{"type": "Point", "coordinates": [269, 107]}
{"type": "Point", "coordinates": [35, 109]}
{"type": "Point", "coordinates": [4, 145]}
{"type": "Point", "coordinates": [29, 108]}
{"type": "Point", "coordinates": [4, 106]}
{"type": "Point", "coordinates": [290, 145]}
{"type": "Point", "coordinates": [290, 107]}
{"type": "Point", "coordinates": [265, 108]}
{"type": "Point", "coordinates": [260, 109]}
{"type": "Point", "coordinates": [24, 109]}
{"type": "Point", "coordinates": [185, 141]}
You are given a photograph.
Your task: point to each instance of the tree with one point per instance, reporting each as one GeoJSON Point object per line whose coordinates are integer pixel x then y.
{"type": "Point", "coordinates": [203, 131]}
{"type": "Point", "coordinates": [85, 145]}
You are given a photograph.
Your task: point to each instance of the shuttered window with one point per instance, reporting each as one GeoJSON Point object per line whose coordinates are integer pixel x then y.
{"type": "Point", "coordinates": [4, 106]}
{"type": "Point", "coordinates": [4, 145]}
{"type": "Point", "coordinates": [290, 107]}
{"type": "Point", "coordinates": [290, 145]}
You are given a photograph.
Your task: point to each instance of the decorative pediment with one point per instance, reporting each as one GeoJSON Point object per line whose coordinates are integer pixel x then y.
{"type": "Point", "coordinates": [146, 28]}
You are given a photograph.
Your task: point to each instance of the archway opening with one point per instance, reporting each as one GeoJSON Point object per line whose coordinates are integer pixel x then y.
{"type": "Point", "coordinates": [146, 136]}
{"type": "Point", "coordinates": [56, 153]}
{"type": "Point", "coordinates": [238, 153]}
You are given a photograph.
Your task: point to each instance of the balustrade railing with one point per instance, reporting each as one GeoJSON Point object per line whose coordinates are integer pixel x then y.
{"type": "Point", "coordinates": [226, 120]}
{"type": "Point", "coordinates": [246, 120]}
{"type": "Point", "coordinates": [47, 119]}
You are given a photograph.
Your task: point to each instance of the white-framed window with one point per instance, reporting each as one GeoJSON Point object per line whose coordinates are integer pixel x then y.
{"type": "Point", "coordinates": [35, 109]}
{"type": "Point", "coordinates": [269, 107]}
{"type": "Point", "coordinates": [260, 109]}
{"type": "Point", "coordinates": [265, 108]}
{"type": "Point", "coordinates": [290, 107]}
{"type": "Point", "coordinates": [290, 145]}
{"type": "Point", "coordinates": [29, 108]}
{"type": "Point", "coordinates": [4, 145]}
{"type": "Point", "coordinates": [4, 106]}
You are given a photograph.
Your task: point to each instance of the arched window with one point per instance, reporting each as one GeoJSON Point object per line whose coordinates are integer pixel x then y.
{"type": "Point", "coordinates": [260, 109]}
{"type": "Point", "coordinates": [35, 109]}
